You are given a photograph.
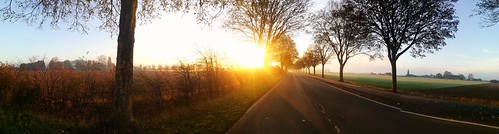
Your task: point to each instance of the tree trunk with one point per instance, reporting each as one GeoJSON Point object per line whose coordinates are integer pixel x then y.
{"type": "Point", "coordinates": [322, 70]}
{"type": "Point", "coordinates": [314, 70]}
{"type": "Point", "coordinates": [122, 114]}
{"type": "Point", "coordinates": [394, 74]}
{"type": "Point", "coordinates": [342, 66]}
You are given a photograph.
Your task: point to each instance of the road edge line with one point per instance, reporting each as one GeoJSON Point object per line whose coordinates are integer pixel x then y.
{"type": "Point", "coordinates": [449, 120]}
{"type": "Point", "coordinates": [324, 112]}
{"type": "Point", "coordinates": [414, 113]}
{"type": "Point", "coordinates": [254, 104]}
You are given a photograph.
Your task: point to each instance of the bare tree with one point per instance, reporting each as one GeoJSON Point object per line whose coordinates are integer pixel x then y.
{"type": "Point", "coordinates": [324, 52]}
{"type": "Point", "coordinates": [471, 77]}
{"type": "Point", "coordinates": [186, 80]}
{"type": "Point", "coordinates": [117, 17]}
{"type": "Point", "coordinates": [265, 21]}
{"type": "Point", "coordinates": [211, 60]}
{"type": "Point", "coordinates": [489, 9]}
{"type": "Point", "coordinates": [331, 26]}
{"type": "Point", "coordinates": [420, 26]}
{"type": "Point", "coordinates": [102, 59]}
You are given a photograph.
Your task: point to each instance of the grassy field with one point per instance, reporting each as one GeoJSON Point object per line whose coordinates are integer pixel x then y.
{"type": "Point", "coordinates": [404, 83]}
{"type": "Point", "coordinates": [459, 90]}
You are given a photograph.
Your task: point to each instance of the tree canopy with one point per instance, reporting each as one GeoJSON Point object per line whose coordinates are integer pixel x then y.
{"type": "Point", "coordinates": [265, 21]}
{"type": "Point", "coordinates": [417, 26]}
{"type": "Point", "coordinates": [489, 9]}
{"type": "Point", "coordinates": [284, 51]}
{"type": "Point", "coordinates": [332, 26]}
{"type": "Point", "coordinates": [323, 52]}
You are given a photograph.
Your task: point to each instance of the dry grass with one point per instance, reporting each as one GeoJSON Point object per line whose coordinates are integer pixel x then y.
{"type": "Point", "coordinates": [59, 101]}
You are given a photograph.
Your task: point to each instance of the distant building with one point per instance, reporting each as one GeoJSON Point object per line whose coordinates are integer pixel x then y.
{"type": "Point", "coordinates": [39, 65]}
{"type": "Point", "coordinates": [409, 74]}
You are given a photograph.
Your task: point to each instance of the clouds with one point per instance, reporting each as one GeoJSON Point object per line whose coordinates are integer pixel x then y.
{"type": "Point", "coordinates": [485, 50]}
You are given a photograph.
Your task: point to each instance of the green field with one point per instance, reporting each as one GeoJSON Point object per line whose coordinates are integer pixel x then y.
{"type": "Point", "coordinates": [404, 83]}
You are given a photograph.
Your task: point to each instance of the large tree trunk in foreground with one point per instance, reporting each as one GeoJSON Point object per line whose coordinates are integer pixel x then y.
{"type": "Point", "coordinates": [122, 114]}
{"type": "Point", "coordinates": [394, 74]}
{"type": "Point", "coordinates": [341, 72]}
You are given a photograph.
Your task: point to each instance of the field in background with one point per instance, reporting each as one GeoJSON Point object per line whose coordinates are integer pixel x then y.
{"type": "Point", "coordinates": [404, 83]}
{"type": "Point", "coordinates": [478, 92]}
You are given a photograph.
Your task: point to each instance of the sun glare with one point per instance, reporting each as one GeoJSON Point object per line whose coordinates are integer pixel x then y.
{"type": "Point", "coordinates": [249, 55]}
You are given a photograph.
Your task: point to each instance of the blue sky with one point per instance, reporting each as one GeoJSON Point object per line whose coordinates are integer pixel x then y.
{"type": "Point", "coordinates": [474, 50]}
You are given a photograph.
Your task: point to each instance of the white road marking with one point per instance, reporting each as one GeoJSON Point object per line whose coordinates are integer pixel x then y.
{"type": "Point", "coordinates": [328, 118]}
{"type": "Point", "coordinates": [412, 113]}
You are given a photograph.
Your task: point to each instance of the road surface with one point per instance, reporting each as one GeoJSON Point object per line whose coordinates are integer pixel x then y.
{"type": "Point", "coordinates": [301, 104]}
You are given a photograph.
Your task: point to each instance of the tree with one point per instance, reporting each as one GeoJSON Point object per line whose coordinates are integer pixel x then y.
{"type": "Point", "coordinates": [55, 64]}
{"type": "Point", "coordinates": [323, 52]}
{"type": "Point", "coordinates": [68, 64]}
{"type": "Point", "coordinates": [471, 77]}
{"type": "Point", "coordinates": [186, 79]}
{"type": "Point", "coordinates": [265, 21]}
{"type": "Point", "coordinates": [80, 64]}
{"type": "Point", "coordinates": [420, 26]}
{"type": "Point", "coordinates": [102, 59]}
{"type": "Point", "coordinates": [117, 17]}
{"type": "Point", "coordinates": [461, 77]}
{"type": "Point", "coordinates": [489, 10]}
{"type": "Point", "coordinates": [299, 64]}
{"type": "Point", "coordinates": [311, 59]}
{"type": "Point", "coordinates": [439, 75]}
{"type": "Point", "coordinates": [284, 51]}
{"type": "Point", "coordinates": [447, 75]}
{"type": "Point", "coordinates": [211, 60]}
{"type": "Point", "coordinates": [332, 26]}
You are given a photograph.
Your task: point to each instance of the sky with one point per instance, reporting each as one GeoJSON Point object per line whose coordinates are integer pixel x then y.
{"type": "Point", "coordinates": [178, 36]}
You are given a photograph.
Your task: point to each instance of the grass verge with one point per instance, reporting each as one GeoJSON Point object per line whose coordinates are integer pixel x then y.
{"type": "Point", "coordinates": [211, 116]}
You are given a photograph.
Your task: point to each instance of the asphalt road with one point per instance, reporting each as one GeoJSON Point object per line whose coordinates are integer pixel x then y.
{"type": "Point", "coordinates": [300, 104]}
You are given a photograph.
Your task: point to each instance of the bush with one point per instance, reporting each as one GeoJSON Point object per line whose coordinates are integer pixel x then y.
{"type": "Point", "coordinates": [494, 81]}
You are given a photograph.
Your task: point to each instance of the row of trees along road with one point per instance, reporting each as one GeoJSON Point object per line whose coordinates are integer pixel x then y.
{"type": "Point", "coordinates": [394, 26]}
{"type": "Point", "coordinates": [264, 21]}
{"type": "Point", "coordinates": [354, 27]}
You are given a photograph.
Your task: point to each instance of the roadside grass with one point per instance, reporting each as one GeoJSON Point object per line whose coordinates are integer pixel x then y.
{"type": "Point", "coordinates": [211, 116]}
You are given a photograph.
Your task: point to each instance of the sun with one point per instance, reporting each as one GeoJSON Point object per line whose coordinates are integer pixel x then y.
{"type": "Point", "coordinates": [249, 56]}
